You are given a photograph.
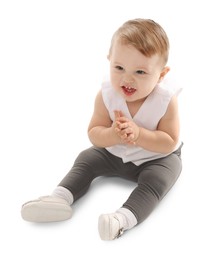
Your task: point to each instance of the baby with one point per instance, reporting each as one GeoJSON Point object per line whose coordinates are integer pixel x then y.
{"type": "Point", "coordinates": [134, 130]}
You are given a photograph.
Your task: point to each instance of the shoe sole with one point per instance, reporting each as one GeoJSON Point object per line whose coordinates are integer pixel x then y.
{"type": "Point", "coordinates": [104, 228]}
{"type": "Point", "coordinates": [109, 227]}
{"type": "Point", "coordinates": [45, 211]}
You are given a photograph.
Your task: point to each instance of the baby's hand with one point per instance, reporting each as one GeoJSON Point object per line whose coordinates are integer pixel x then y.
{"type": "Point", "coordinates": [126, 129]}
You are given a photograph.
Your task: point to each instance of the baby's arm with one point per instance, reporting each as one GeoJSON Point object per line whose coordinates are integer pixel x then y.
{"type": "Point", "coordinates": [101, 130]}
{"type": "Point", "coordinates": [162, 140]}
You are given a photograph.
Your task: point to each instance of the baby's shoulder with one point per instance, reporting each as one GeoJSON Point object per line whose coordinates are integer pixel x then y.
{"type": "Point", "coordinates": [170, 85]}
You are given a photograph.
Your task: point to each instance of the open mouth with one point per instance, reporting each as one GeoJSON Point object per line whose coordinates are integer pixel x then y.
{"type": "Point", "coordinates": [128, 91]}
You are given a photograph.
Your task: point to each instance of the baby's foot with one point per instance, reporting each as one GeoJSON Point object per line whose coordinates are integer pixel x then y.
{"type": "Point", "coordinates": [46, 209]}
{"type": "Point", "coordinates": [110, 226]}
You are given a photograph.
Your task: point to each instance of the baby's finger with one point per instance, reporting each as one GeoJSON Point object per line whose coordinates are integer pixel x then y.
{"type": "Point", "coordinates": [117, 130]}
{"type": "Point", "coordinates": [123, 125]}
{"type": "Point", "coordinates": [127, 131]}
{"type": "Point", "coordinates": [124, 119]}
{"type": "Point", "coordinates": [117, 114]}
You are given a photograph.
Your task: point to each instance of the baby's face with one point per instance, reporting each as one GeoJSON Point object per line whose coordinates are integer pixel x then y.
{"type": "Point", "coordinates": [132, 74]}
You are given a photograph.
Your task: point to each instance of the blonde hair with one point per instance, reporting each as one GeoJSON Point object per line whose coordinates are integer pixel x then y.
{"type": "Point", "coordinates": [145, 35]}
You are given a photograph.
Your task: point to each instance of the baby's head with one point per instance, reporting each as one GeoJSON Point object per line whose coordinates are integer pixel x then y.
{"type": "Point", "coordinates": [145, 35]}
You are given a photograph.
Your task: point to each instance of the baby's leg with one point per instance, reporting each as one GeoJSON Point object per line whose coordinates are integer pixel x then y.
{"type": "Point", "coordinates": [85, 169]}
{"type": "Point", "coordinates": [155, 180]}
{"type": "Point", "coordinates": [90, 164]}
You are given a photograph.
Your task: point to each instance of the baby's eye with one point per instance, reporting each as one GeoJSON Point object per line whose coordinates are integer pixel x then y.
{"type": "Point", "coordinates": [141, 72]}
{"type": "Point", "coordinates": [119, 67]}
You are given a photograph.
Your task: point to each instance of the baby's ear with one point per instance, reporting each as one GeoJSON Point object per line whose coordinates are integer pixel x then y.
{"type": "Point", "coordinates": [164, 71]}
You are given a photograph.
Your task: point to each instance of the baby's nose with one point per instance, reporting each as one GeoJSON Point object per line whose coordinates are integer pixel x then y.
{"type": "Point", "coordinates": [129, 80]}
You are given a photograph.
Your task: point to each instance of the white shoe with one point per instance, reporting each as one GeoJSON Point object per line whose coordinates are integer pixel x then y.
{"type": "Point", "coordinates": [46, 209]}
{"type": "Point", "coordinates": [110, 226]}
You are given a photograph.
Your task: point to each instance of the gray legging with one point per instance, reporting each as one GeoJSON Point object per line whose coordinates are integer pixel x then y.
{"type": "Point", "coordinates": [154, 178]}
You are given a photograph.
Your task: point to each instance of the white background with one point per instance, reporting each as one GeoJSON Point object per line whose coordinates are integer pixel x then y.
{"type": "Point", "coordinates": [52, 61]}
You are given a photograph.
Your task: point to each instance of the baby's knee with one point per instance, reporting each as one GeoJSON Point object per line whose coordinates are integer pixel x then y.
{"type": "Point", "coordinates": [90, 157]}
{"type": "Point", "coordinates": [159, 184]}
{"type": "Point", "coordinates": [85, 156]}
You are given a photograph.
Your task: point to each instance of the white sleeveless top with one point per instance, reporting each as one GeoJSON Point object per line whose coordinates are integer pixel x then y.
{"type": "Point", "coordinates": [148, 116]}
